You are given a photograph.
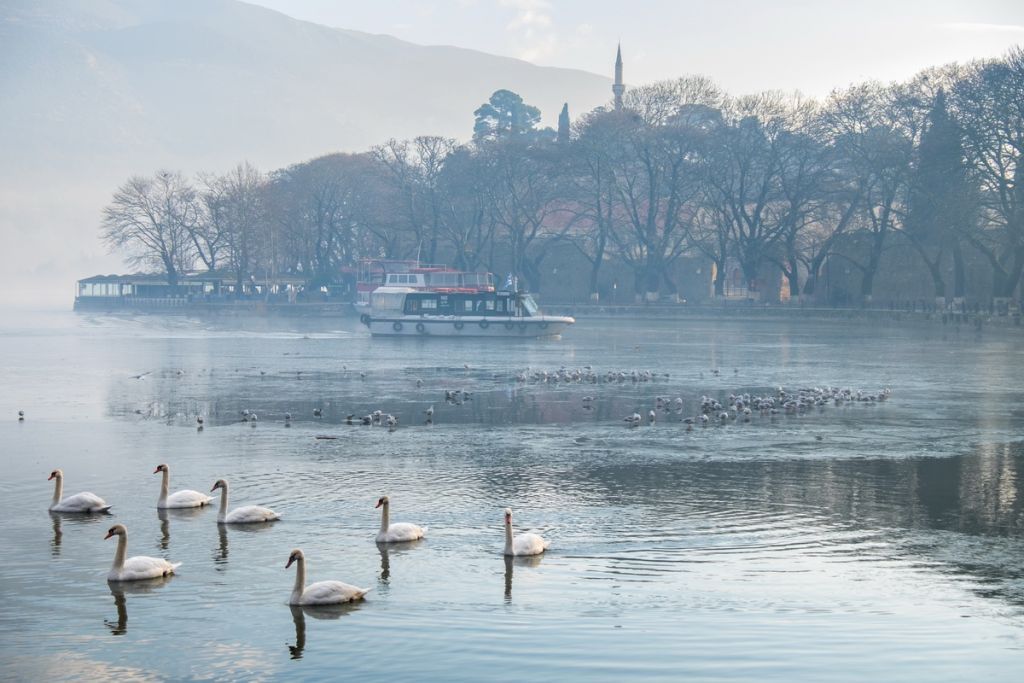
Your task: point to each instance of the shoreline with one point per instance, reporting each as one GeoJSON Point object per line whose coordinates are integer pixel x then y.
{"type": "Point", "coordinates": [333, 310]}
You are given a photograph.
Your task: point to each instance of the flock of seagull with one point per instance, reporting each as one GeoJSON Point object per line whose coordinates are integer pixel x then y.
{"type": "Point", "coordinates": [141, 568]}
{"type": "Point", "coordinates": [742, 407]}
{"type": "Point", "coordinates": [745, 406]}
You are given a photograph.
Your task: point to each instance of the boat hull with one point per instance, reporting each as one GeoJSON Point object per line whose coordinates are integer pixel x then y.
{"type": "Point", "coordinates": [468, 326]}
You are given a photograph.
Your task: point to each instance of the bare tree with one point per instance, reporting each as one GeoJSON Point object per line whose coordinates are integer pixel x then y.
{"type": "Point", "coordinates": [152, 219]}
{"type": "Point", "coordinates": [523, 190]}
{"type": "Point", "coordinates": [328, 210]}
{"type": "Point", "coordinates": [236, 215]}
{"type": "Point", "coordinates": [876, 148]}
{"type": "Point", "coordinates": [592, 194]}
{"type": "Point", "coordinates": [990, 105]}
{"type": "Point", "coordinates": [415, 170]}
{"type": "Point", "coordinates": [745, 178]}
{"type": "Point", "coordinates": [467, 221]}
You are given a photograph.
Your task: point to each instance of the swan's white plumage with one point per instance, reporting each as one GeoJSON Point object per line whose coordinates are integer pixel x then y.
{"type": "Point", "coordinates": [81, 502]}
{"type": "Point", "coordinates": [321, 592]}
{"type": "Point", "coordinates": [247, 514]}
{"type": "Point", "coordinates": [522, 545]}
{"type": "Point", "coordinates": [141, 567]}
{"type": "Point", "coordinates": [330, 593]}
{"type": "Point", "coordinates": [186, 498]}
{"type": "Point", "coordinates": [529, 544]}
{"type": "Point", "coordinates": [136, 568]}
{"type": "Point", "coordinates": [399, 532]}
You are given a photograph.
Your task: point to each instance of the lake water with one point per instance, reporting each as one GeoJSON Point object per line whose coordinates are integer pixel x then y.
{"type": "Point", "coordinates": [868, 541]}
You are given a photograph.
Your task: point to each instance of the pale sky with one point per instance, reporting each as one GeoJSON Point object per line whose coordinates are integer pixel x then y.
{"type": "Point", "coordinates": [744, 45]}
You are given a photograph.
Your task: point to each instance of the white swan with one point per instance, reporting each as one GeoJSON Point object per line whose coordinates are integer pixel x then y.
{"type": "Point", "coordinates": [80, 502]}
{"type": "Point", "coordinates": [399, 532]}
{"type": "Point", "coordinates": [523, 544]}
{"type": "Point", "coordinates": [321, 592]}
{"type": "Point", "coordinates": [186, 498]}
{"type": "Point", "coordinates": [248, 514]}
{"type": "Point", "coordinates": [135, 568]}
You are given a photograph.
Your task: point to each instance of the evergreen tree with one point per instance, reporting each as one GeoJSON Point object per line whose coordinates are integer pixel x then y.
{"type": "Point", "coordinates": [563, 124]}
{"type": "Point", "coordinates": [504, 115]}
{"type": "Point", "coordinates": [939, 206]}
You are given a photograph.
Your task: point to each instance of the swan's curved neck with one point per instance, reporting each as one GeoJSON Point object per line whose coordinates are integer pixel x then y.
{"type": "Point", "coordinates": [122, 550]}
{"type": "Point", "coordinates": [58, 489]}
{"type": "Point", "coordinates": [300, 580]}
{"type": "Point", "coordinates": [223, 512]}
{"type": "Point", "coordinates": [508, 537]}
{"type": "Point", "coordinates": [165, 482]}
{"type": "Point", "coordinates": [385, 518]}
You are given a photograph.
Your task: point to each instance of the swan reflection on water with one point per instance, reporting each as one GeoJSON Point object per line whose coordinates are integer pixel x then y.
{"type": "Point", "coordinates": [220, 555]}
{"type": "Point", "coordinates": [299, 614]}
{"type": "Point", "coordinates": [121, 588]}
{"type": "Point", "coordinates": [389, 549]}
{"type": "Point", "coordinates": [73, 518]}
{"type": "Point", "coordinates": [523, 561]}
{"type": "Point", "coordinates": [165, 515]}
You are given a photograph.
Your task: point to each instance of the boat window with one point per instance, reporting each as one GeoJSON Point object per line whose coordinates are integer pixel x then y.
{"type": "Point", "coordinates": [530, 305]}
{"type": "Point", "coordinates": [501, 306]}
{"type": "Point", "coordinates": [430, 304]}
{"type": "Point", "coordinates": [467, 305]}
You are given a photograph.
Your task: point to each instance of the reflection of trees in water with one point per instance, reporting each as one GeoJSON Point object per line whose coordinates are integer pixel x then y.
{"type": "Point", "coordinates": [978, 495]}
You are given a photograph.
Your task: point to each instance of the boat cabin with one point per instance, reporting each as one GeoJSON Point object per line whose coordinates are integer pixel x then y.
{"type": "Point", "coordinates": [498, 304]}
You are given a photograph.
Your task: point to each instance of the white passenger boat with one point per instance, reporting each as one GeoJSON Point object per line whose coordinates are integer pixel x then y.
{"type": "Point", "coordinates": [404, 311]}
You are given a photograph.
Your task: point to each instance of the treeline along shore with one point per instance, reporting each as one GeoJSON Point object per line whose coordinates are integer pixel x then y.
{"type": "Point", "coordinates": [899, 197]}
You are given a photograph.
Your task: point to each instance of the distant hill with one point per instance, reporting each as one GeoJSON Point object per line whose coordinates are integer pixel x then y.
{"type": "Point", "coordinates": [96, 90]}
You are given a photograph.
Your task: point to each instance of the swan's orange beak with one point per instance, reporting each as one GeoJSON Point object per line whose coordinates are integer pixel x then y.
{"type": "Point", "coordinates": [379, 503]}
{"type": "Point", "coordinates": [52, 475]}
{"type": "Point", "coordinates": [290, 560]}
{"type": "Point", "coordinates": [109, 534]}
{"type": "Point", "coordinates": [214, 488]}
{"type": "Point", "coordinates": [156, 470]}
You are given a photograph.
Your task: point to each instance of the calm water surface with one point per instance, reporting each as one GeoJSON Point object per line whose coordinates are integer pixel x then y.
{"type": "Point", "coordinates": [867, 541]}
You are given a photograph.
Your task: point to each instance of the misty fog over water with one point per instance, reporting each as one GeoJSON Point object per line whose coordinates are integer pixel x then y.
{"type": "Point", "coordinates": [874, 539]}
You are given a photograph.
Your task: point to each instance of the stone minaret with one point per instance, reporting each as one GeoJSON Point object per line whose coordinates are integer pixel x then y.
{"type": "Point", "coordinates": [618, 88]}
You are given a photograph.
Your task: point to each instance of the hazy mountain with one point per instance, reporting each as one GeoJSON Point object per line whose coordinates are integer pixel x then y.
{"type": "Point", "coordinates": [96, 90]}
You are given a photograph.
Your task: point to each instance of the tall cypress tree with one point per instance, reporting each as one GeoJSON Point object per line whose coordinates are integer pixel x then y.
{"type": "Point", "coordinates": [940, 204]}
{"type": "Point", "coordinates": [563, 124]}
